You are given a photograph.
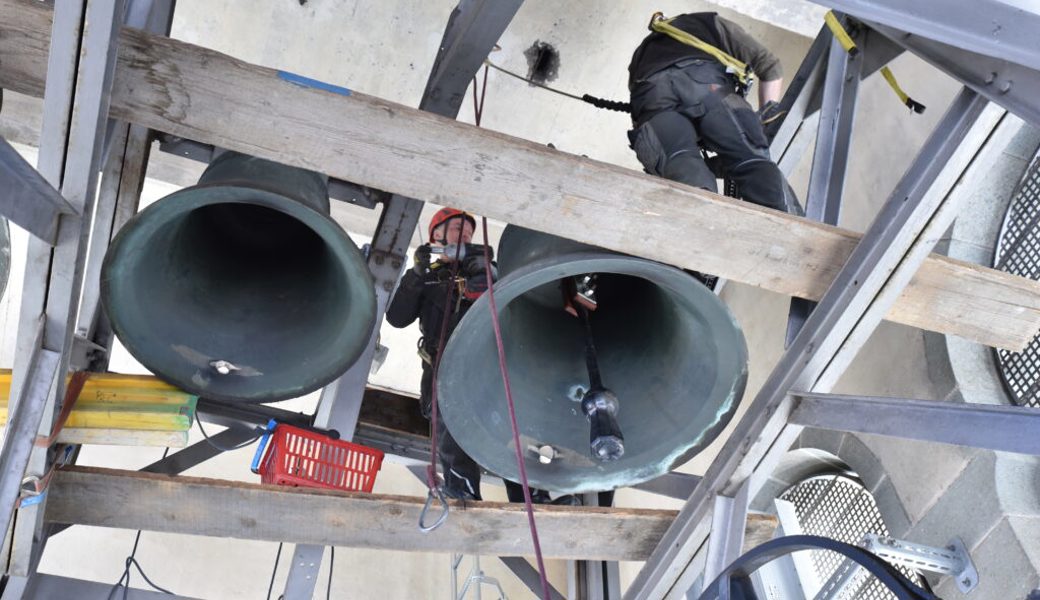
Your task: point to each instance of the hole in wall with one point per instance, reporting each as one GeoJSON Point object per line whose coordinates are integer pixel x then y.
{"type": "Point", "coordinates": [543, 62]}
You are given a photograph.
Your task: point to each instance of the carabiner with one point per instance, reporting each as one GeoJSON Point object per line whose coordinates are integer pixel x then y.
{"type": "Point", "coordinates": [426, 507]}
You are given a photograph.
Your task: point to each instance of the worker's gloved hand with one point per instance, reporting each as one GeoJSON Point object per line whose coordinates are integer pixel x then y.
{"type": "Point", "coordinates": [770, 111]}
{"type": "Point", "coordinates": [475, 262]}
{"type": "Point", "coordinates": [421, 261]}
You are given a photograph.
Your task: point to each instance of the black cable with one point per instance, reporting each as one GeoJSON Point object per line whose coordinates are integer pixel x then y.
{"type": "Point", "coordinates": [132, 561]}
{"type": "Point", "coordinates": [277, 557]}
{"type": "Point", "coordinates": [332, 561]}
{"type": "Point", "coordinates": [260, 433]}
{"type": "Point", "coordinates": [617, 105]}
{"type": "Point", "coordinates": [597, 102]}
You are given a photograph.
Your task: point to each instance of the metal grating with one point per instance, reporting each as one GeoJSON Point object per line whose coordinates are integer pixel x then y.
{"type": "Point", "coordinates": [1018, 252]}
{"type": "Point", "coordinates": [840, 508]}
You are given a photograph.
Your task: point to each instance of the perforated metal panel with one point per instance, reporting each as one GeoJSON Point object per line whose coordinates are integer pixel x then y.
{"type": "Point", "coordinates": [840, 508]}
{"type": "Point", "coordinates": [1018, 252]}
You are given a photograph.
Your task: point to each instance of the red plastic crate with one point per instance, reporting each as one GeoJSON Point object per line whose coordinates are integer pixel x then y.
{"type": "Point", "coordinates": [299, 457]}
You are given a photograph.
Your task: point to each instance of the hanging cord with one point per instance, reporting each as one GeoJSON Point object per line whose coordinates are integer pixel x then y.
{"type": "Point", "coordinates": [259, 433]}
{"type": "Point", "coordinates": [124, 579]}
{"type": "Point", "coordinates": [277, 557]}
{"type": "Point", "coordinates": [332, 562]}
{"type": "Point", "coordinates": [849, 45]}
{"type": "Point", "coordinates": [434, 486]}
{"type": "Point", "coordinates": [590, 99]}
{"type": "Point", "coordinates": [489, 275]}
{"type": "Point", "coordinates": [528, 505]}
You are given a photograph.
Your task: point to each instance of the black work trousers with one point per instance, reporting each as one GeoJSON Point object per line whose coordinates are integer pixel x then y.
{"type": "Point", "coordinates": [693, 106]}
{"type": "Point", "coordinates": [461, 473]}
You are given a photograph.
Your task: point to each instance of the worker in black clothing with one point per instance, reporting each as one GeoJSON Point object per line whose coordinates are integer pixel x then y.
{"type": "Point", "coordinates": [685, 98]}
{"type": "Point", "coordinates": [423, 293]}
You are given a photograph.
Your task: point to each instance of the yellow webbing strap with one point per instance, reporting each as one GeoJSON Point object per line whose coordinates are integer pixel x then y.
{"type": "Point", "coordinates": [660, 24]}
{"type": "Point", "coordinates": [850, 46]}
{"type": "Point", "coordinates": [912, 104]}
{"type": "Point", "coordinates": [840, 34]}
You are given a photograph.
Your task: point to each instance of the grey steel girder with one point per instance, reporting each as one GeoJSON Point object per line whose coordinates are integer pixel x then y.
{"type": "Point", "coordinates": [1002, 428]}
{"type": "Point", "coordinates": [995, 28]}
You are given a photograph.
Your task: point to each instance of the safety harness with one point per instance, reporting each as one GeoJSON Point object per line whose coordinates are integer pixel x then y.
{"type": "Point", "coordinates": [734, 66]}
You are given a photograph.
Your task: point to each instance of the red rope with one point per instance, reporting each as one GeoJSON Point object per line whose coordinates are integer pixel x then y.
{"type": "Point", "coordinates": [478, 111]}
{"type": "Point", "coordinates": [449, 300]}
{"type": "Point", "coordinates": [512, 416]}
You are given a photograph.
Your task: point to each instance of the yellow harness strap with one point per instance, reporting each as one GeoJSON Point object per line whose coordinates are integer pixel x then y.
{"type": "Point", "coordinates": [840, 34]}
{"type": "Point", "coordinates": [741, 70]}
{"type": "Point", "coordinates": [912, 104]}
{"type": "Point", "coordinates": [850, 46]}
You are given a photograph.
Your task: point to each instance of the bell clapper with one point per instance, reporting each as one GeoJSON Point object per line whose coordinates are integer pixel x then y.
{"type": "Point", "coordinates": [223, 367]}
{"type": "Point", "coordinates": [599, 404]}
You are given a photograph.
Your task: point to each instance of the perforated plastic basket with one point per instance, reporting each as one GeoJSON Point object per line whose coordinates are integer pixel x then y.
{"type": "Point", "coordinates": [299, 457]}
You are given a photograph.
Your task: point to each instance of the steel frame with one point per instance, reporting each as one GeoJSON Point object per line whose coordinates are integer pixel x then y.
{"type": "Point", "coordinates": [987, 45]}
{"type": "Point", "coordinates": [73, 145]}
{"type": "Point", "coordinates": [80, 69]}
{"type": "Point", "coordinates": [831, 154]}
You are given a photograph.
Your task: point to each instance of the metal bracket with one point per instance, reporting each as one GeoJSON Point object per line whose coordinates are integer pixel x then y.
{"type": "Point", "coordinates": [953, 561]}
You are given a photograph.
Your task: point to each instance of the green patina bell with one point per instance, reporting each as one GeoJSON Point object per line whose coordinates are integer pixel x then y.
{"type": "Point", "coordinates": [667, 349]}
{"type": "Point", "coordinates": [241, 288]}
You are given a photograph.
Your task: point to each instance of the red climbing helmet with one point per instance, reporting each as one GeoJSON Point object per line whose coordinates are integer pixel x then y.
{"type": "Point", "coordinates": [445, 214]}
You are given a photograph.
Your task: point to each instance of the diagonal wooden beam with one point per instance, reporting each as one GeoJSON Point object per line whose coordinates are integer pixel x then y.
{"type": "Point", "coordinates": [200, 94]}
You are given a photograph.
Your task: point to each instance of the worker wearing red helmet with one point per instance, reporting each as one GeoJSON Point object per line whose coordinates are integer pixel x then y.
{"type": "Point", "coordinates": [424, 292]}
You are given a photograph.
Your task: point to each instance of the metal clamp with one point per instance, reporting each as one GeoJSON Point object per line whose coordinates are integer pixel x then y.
{"type": "Point", "coordinates": [439, 491]}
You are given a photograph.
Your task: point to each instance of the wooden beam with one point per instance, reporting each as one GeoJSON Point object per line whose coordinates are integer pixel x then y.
{"type": "Point", "coordinates": [193, 92]}
{"type": "Point", "coordinates": [192, 505]}
{"type": "Point", "coordinates": [217, 508]}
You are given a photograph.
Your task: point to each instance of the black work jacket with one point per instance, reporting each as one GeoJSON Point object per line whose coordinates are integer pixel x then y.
{"type": "Point", "coordinates": [659, 51]}
{"type": "Point", "coordinates": [424, 298]}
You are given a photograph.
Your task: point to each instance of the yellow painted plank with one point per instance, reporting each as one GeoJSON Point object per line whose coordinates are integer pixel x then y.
{"type": "Point", "coordinates": [152, 418]}
{"type": "Point", "coordinates": [125, 402]}
{"type": "Point", "coordinates": [116, 388]}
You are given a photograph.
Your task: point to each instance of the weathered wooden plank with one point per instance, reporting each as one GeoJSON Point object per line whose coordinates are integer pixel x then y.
{"type": "Point", "coordinates": [192, 505]}
{"type": "Point", "coordinates": [123, 437]}
{"type": "Point", "coordinates": [197, 93]}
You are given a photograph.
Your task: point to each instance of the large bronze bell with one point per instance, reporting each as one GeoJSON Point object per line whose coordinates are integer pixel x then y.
{"type": "Point", "coordinates": [665, 346]}
{"type": "Point", "coordinates": [240, 288]}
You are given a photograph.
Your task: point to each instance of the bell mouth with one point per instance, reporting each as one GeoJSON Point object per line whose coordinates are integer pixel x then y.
{"type": "Point", "coordinates": [667, 346]}
{"type": "Point", "coordinates": [239, 294]}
